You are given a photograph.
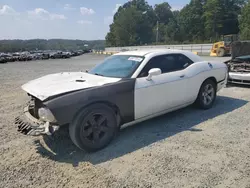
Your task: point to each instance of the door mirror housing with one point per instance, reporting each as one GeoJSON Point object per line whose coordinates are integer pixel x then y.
{"type": "Point", "coordinates": [153, 72]}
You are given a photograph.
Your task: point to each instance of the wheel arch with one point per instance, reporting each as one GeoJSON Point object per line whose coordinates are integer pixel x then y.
{"type": "Point", "coordinates": [107, 103]}
{"type": "Point", "coordinates": [209, 78]}
{"type": "Point", "coordinates": [213, 79]}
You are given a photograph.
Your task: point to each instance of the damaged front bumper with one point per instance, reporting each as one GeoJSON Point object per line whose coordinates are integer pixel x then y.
{"type": "Point", "coordinates": [239, 78]}
{"type": "Point", "coordinates": [29, 125]}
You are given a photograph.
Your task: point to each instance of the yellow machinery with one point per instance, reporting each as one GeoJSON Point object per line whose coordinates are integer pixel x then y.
{"type": "Point", "coordinates": [223, 47]}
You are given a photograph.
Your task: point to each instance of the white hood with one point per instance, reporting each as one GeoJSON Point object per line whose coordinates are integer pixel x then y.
{"type": "Point", "coordinates": [59, 83]}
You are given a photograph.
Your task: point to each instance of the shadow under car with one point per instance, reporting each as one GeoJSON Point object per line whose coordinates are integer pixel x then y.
{"type": "Point", "coordinates": [60, 147]}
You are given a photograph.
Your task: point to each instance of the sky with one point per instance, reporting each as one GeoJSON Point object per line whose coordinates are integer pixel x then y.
{"type": "Point", "coordinates": [67, 19]}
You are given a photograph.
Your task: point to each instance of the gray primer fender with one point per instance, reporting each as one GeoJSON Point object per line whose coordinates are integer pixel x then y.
{"type": "Point", "coordinates": [120, 94]}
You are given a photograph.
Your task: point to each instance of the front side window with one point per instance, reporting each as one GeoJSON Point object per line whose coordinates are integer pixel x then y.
{"type": "Point", "coordinates": [118, 66]}
{"type": "Point", "coordinates": [167, 63]}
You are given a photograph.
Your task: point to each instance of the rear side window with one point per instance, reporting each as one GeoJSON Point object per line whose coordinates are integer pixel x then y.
{"type": "Point", "coordinates": [167, 63]}
{"type": "Point", "coordinates": [183, 61]}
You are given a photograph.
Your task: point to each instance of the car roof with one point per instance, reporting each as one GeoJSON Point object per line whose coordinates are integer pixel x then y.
{"type": "Point", "coordinates": [153, 52]}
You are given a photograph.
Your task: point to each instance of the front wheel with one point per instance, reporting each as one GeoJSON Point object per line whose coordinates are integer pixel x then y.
{"type": "Point", "coordinates": [94, 127]}
{"type": "Point", "coordinates": [221, 52]}
{"type": "Point", "coordinates": [207, 95]}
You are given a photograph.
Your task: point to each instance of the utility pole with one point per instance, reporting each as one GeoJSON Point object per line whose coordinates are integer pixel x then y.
{"type": "Point", "coordinates": [157, 31]}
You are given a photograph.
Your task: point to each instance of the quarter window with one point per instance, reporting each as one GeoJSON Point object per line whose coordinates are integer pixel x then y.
{"type": "Point", "coordinates": [167, 63]}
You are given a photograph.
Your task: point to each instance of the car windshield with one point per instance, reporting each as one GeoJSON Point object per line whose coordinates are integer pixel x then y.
{"type": "Point", "coordinates": [119, 66]}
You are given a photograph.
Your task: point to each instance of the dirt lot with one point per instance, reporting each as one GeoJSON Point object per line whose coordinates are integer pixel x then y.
{"type": "Point", "coordinates": [187, 148]}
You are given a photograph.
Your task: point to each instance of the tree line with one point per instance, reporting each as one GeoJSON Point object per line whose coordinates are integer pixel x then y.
{"type": "Point", "coordinates": [136, 22]}
{"type": "Point", "coordinates": [52, 44]}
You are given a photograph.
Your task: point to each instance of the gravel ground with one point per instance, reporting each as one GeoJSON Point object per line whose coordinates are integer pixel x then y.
{"type": "Point", "coordinates": [186, 148]}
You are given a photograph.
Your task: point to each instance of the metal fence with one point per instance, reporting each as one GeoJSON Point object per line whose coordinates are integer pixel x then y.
{"type": "Point", "coordinates": [203, 49]}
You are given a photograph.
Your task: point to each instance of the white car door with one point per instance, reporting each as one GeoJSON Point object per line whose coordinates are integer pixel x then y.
{"type": "Point", "coordinates": [164, 92]}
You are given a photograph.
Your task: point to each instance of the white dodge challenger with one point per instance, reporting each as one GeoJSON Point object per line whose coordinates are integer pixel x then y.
{"type": "Point", "coordinates": [124, 89]}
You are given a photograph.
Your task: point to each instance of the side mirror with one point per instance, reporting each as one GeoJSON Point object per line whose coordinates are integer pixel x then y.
{"type": "Point", "coordinates": [153, 72]}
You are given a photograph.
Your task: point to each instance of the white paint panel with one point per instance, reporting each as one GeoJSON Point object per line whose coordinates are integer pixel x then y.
{"type": "Point", "coordinates": [168, 90]}
{"type": "Point", "coordinates": [197, 73]}
{"type": "Point", "coordinates": [162, 92]}
{"type": "Point", "coordinates": [58, 83]}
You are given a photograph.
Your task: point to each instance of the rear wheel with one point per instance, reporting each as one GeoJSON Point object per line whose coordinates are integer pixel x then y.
{"type": "Point", "coordinates": [207, 95]}
{"type": "Point", "coordinates": [94, 127]}
{"type": "Point", "coordinates": [221, 52]}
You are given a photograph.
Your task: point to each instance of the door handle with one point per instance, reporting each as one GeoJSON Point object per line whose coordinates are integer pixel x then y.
{"type": "Point", "coordinates": [182, 76]}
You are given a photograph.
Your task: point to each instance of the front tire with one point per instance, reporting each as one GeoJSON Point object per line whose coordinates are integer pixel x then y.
{"type": "Point", "coordinates": [94, 127]}
{"type": "Point", "coordinates": [207, 95]}
{"type": "Point", "coordinates": [221, 52]}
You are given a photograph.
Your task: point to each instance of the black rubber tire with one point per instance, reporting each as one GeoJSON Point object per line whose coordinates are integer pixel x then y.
{"type": "Point", "coordinates": [76, 127]}
{"type": "Point", "coordinates": [199, 101]}
{"type": "Point", "coordinates": [221, 52]}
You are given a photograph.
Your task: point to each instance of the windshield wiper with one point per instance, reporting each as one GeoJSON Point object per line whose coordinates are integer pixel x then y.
{"type": "Point", "coordinates": [98, 74]}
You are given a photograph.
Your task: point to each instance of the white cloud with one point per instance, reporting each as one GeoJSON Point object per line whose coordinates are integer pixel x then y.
{"type": "Point", "coordinates": [117, 6]}
{"type": "Point", "coordinates": [58, 17]}
{"type": "Point", "coordinates": [27, 25]}
{"type": "Point", "coordinates": [87, 11]}
{"type": "Point", "coordinates": [38, 11]}
{"type": "Point", "coordinates": [43, 14]}
{"type": "Point", "coordinates": [68, 7]}
{"type": "Point", "coordinates": [7, 10]}
{"type": "Point", "coordinates": [84, 22]}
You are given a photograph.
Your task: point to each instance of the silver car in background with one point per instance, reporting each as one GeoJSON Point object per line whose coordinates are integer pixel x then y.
{"type": "Point", "coordinates": [239, 65]}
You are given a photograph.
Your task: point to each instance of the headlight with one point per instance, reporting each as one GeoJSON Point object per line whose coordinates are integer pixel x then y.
{"type": "Point", "coordinates": [46, 115]}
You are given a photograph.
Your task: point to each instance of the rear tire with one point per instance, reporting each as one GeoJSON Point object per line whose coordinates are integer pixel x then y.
{"type": "Point", "coordinates": [207, 95]}
{"type": "Point", "coordinates": [94, 127]}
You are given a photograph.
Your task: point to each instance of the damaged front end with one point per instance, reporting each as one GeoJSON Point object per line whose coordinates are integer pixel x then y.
{"type": "Point", "coordinates": [239, 70]}
{"type": "Point", "coordinates": [34, 121]}
{"type": "Point", "coordinates": [239, 65]}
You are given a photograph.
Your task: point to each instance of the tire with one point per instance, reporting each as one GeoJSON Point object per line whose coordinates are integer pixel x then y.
{"type": "Point", "coordinates": [207, 95]}
{"type": "Point", "coordinates": [221, 52]}
{"type": "Point", "coordinates": [94, 127]}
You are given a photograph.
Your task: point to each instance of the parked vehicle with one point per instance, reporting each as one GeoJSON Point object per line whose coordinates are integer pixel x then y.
{"type": "Point", "coordinates": [223, 47]}
{"type": "Point", "coordinates": [239, 64]}
{"type": "Point", "coordinates": [39, 55]}
{"type": "Point", "coordinates": [66, 55]}
{"type": "Point", "coordinates": [45, 55]}
{"type": "Point", "coordinates": [3, 60]}
{"type": "Point", "coordinates": [127, 88]}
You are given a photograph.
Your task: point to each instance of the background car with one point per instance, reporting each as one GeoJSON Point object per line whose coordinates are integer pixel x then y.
{"type": "Point", "coordinates": [239, 64]}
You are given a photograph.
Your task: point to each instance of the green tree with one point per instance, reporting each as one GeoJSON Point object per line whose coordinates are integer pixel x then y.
{"type": "Point", "coordinates": [191, 21]}
{"type": "Point", "coordinates": [221, 17]}
{"type": "Point", "coordinates": [110, 37]}
{"type": "Point", "coordinates": [52, 44]}
{"type": "Point", "coordinates": [163, 15]}
{"type": "Point", "coordinates": [174, 32]}
{"type": "Point", "coordinates": [132, 24]}
{"type": "Point", "coordinates": [245, 22]}
{"type": "Point", "coordinates": [231, 10]}
{"type": "Point", "coordinates": [163, 12]}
